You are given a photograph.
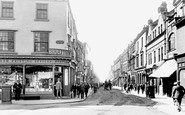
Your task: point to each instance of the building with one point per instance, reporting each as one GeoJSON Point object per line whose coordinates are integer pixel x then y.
{"type": "Point", "coordinates": [36, 45]}
{"type": "Point", "coordinates": [140, 58]}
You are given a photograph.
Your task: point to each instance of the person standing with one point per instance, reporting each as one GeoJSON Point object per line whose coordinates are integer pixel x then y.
{"type": "Point", "coordinates": [17, 90]}
{"type": "Point", "coordinates": [86, 89]}
{"type": "Point", "coordinates": [59, 88]}
{"type": "Point", "coordinates": [82, 90]}
{"type": "Point", "coordinates": [178, 94]}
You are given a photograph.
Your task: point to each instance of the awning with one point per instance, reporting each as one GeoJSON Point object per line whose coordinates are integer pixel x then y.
{"type": "Point", "coordinates": [166, 69]}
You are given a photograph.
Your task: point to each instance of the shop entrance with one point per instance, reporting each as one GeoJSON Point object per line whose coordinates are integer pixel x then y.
{"type": "Point", "coordinates": [58, 76]}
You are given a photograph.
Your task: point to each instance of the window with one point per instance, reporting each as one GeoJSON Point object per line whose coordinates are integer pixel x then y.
{"type": "Point", "coordinates": [7, 9]}
{"type": "Point", "coordinates": [42, 11]}
{"type": "Point", "coordinates": [171, 42]}
{"type": "Point", "coordinates": [142, 60]}
{"type": "Point", "coordinates": [154, 56]}
{"type": "Point", "coordinates": [142, 42]}
{"type": "Point", "coordinates": [41, 40]}
{"type": "Point", "coordinates": [161, 53]}
{"type": "Point", "coordinates": [158, 30]}
{"type": "Point", "coordinates": [7, 41]}
{"type": "Point", "coordinates": [150, 58]}
{"type": "Point", "coordinates": [161, 28]}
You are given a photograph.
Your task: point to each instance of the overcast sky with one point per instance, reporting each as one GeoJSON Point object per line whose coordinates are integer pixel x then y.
{"type": "Point", "coordinates": [108, 26]}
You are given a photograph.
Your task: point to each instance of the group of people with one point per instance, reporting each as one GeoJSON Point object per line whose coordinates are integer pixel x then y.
{"type": "Point", "coordinates": [79, 90]}
{"type": "Point", "coordinates": [107, 85]}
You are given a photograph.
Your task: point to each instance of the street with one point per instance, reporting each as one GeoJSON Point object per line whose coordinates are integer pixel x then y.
{"type": "Point", "coordinates": [103, 102]}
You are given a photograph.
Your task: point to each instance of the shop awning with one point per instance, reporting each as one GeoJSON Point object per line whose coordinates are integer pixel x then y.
{"type": "Point", "coordinates": [166, 69]}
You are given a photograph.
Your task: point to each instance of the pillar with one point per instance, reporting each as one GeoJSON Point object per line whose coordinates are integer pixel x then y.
{"type": "Point", "coordinates": [53, 73]}
{"type": "Point", "coordinates": [24, 79]}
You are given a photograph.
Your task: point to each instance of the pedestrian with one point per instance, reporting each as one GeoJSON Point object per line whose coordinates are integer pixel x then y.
{"type": "Point", "coordinates": [178, 94]}
{"type": "Point", "coordinates": [86, 89]}
{"type": "Point", "coordinates": [73, 90]}
{"type": "Point", "coordinates": [78, 90]}
{"type": "Point", "coordinates": [58, 88]}
{"type": "Point", "coordinates": [82, 90]}
{"type": "Point", "coordinates": [110, 85]}
{"type": "Point", "coordinates": [17, 88]}
{"type": "Point", "coordinates": [174, 85]}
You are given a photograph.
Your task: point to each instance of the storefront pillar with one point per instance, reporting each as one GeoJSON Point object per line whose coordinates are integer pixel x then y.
{"type": "Point", "coordinates": [24, 79]}
{"type": "Point", "coordinates": [53, 75]}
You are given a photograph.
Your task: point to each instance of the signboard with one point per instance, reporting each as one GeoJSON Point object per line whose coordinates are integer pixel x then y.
{"type": "Point", "coordinates": [60, 52]}
{"type": "Point", "coordinates": [59, 42]}
{"type": "Point", "coordinates": [66, 76]}
{"type": "Point", "coordinates": [31, 61]}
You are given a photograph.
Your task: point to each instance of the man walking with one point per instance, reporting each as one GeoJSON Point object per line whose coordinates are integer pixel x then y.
{"type": "Point", "coordinates": [178, 94]}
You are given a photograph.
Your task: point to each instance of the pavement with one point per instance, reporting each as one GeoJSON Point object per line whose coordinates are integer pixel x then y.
{"type": "Point", "coordinates": [164, 103]}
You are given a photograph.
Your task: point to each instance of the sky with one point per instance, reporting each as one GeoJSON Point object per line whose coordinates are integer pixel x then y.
{"type": "Point", "coordinates": [108, 26]}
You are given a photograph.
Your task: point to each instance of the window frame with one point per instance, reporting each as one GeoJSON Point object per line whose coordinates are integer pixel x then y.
{"type": "Point", "coordinates": [9, 32]}
{"type": "Point", "coordinates": [9, 8]}
{"type": "Point", "coordinates": [41, 42]}
{"type": "Point", "coordinates": [37, 15]}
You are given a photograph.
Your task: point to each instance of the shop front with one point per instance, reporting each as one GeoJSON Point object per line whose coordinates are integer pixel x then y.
{"type": "Point", "coordinates": [164, 77]}
{"type": "Point", "coordinates": [181, 68]}
{"type": "Point", "coordinates": [38, 75]}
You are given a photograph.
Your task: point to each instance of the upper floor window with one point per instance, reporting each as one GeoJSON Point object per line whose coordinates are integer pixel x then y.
{"type": "Point", "coordinates": [161, 28]}
{"type": "Point", "coordinates": [7, 41]}
{"type": "Point", "coordinates": [161, 53]}
{"type": "Point", "coordinates": [142, 42]}
{"type": "Point", "coordinates": [7, 10]}
{"type": "Point", "coordinates": [142, 59]}
{"type": "Point", "coordinates": [171, 42]}
{"type": "Point", "coordinates": [154, 56]}
{"type": "Point", "coordinates": [41, 41]}
{"type": "Point", "coordinates": [42, 11]}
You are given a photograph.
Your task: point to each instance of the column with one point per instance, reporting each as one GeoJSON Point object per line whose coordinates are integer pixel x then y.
{"type": "Point", "coordinates": [24, 79]}
{"type": "Point", "coordinates": [53, 73]}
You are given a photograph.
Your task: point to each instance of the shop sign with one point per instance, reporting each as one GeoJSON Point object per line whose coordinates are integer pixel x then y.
{"type": "Point", "coordinates": [18, 61]}
{"type": "Point", "coordinates": [66, 76]}
{"type": "Point", "coordinates": [60, 52]}
{"type": "Point", "coordinates": [59, 42]}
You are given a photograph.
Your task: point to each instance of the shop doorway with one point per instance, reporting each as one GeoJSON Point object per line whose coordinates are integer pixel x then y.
{"type": "Point", "coordinates": [56, 77]}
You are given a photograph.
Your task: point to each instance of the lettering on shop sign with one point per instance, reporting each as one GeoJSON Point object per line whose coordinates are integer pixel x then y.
{"type": "Point", "coordinates": [181, 64]}
{"type": "Point", "coordinates": [60, 52]}
{"type": "Point", "coordinates": [33, 61]}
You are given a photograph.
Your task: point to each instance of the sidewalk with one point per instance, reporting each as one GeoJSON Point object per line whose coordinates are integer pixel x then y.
{"type": "Point", "coordinates": [47, 101]}
{"type": "Point", "coordinates": [164, 103]}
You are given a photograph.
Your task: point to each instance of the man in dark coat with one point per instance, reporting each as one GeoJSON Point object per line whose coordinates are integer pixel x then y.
{"type": "Point", "coordinates": [86, 89]}
{"type": "Point", "coordinates": [82, 90]}
{"type": "Point", "coordinates": [178, 94]}
{"type": "Point", "coordinates": [17, 87]}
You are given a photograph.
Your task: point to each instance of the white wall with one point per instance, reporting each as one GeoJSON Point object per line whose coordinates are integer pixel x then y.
{"type": "Point", "coordinates": [25, 14]}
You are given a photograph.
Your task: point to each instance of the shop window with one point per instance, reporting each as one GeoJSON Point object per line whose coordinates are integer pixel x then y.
{"type": "Point", "coordinates": [7, 41]}
{"type": "Point", "coordinates": [41, 40]}
{"type": "Point", "coordinates": [7, 10]}
{"type": "Point", "coordinates": [39, 82]}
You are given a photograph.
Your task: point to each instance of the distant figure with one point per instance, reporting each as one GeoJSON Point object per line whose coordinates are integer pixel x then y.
{"type": "Point", "coordinates": [178, 94]}
{"type": "Point", "coordinates": [86, 89]}
{"type": "Point", "coordinates": [110, 85]}
{"type": "Point", "coordinates": [17, 87]}
{"type": "Point", "coordinates": [73, 90]}
{"type": "Point", "coordinates": [59, 88]}
{"type": "Point", "coordinates": [82, 90]}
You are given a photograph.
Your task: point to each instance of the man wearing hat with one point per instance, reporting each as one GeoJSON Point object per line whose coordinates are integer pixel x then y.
{"type": "Point", "coordinates": [178, 94]}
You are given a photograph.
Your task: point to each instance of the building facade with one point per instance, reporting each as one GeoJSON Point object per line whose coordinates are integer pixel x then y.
{"type": "Point", "coordinates": [36, 45]}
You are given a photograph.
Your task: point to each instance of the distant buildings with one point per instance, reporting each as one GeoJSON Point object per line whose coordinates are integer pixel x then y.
{"type": "Point", "coordinates": [156, 55]}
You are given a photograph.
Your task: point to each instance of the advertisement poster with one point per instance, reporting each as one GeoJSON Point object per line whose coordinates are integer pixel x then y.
{"type": "Point", "coordinates": [66, 76]}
